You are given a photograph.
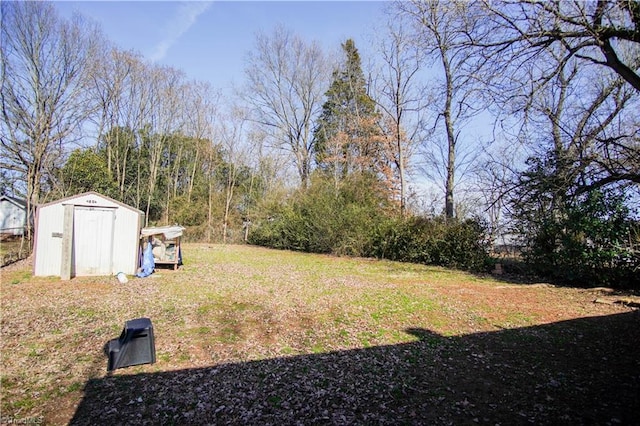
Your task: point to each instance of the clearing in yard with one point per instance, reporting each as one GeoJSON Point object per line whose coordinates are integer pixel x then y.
{"type": "Point", "coordinates": [247, 335]}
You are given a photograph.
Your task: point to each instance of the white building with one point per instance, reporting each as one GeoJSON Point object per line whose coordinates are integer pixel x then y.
{"type": "Point", "coordinates": [86, 234]}
{"type": "Point", "coordinates": [13, 215]}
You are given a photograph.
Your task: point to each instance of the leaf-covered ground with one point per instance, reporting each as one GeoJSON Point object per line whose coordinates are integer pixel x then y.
{"type": "Point", "coordinates": [246, 335]}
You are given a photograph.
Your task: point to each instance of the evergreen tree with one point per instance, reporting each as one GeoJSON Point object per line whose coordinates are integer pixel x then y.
{"type": "Point", "coordinates": [86, 171]}
{"type": "Point", "coordinates": [347, 137]}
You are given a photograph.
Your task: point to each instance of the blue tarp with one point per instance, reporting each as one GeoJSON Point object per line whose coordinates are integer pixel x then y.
{"type": "Point", "coordinates": [148, 264]}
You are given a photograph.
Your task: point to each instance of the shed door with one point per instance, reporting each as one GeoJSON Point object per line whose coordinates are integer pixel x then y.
{"type": "Point", "coordinates": [92, 240]}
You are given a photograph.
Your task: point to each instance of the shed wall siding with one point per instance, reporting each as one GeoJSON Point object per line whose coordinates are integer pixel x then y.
{"type": "Point", "coordinates": [49, 247]}
{"type": "Point", "coordinates": [50, 222]}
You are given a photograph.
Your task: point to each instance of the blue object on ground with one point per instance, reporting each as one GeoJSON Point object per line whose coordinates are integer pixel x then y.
{"type": "Point", "coordinates": [148, 264]}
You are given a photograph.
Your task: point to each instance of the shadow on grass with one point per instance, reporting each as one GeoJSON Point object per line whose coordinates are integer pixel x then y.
{"type": "Point", "coordinates": [583, 371]}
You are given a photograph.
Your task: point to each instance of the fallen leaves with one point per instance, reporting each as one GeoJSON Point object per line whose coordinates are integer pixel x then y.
{"type": "Point", "coordinates": [246, 335]}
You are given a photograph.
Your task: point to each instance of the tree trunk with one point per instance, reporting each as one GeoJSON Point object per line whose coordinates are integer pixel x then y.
{"type": "Point", "coordinates": [451, 138]}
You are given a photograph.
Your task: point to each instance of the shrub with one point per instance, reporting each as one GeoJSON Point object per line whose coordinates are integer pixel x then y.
{"type": "Point", "coordinates": [451, 243]}
{"type": "Point", "coordinates": [353, 220]}
{"type": "Point", "coordinates": [325, 218]}
{"type": "Point", "coordinates": [593, 242]}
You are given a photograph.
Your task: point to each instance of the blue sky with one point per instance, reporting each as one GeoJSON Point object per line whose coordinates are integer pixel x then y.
{"type": "Point", "coordinates": [209, 40]}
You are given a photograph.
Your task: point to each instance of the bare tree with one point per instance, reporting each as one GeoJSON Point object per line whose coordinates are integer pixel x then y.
{"type": "Point", "coordinates": [604, 33]}
{"type": "Point", "coordinates": [400, 97]}
{"type": "Point", "coordinates": [567, 72]}
{"type": "Point", "coordinates": [202, 103]}
{"type": "Point", "coordinates": [44, 62]}
{"type": "Point", "coordinates": [494, 177]}
{"type": "Point", "coordinates": [286, 80]}
{"type": "Point", "coordinates": [582, 122]}
{"type": "Point", "coordinates": [233, 135]}
{"type": "Point", "coordinates": [442, 27]}
{"type": "Point", "coordinates": [164, 119]}
{"type": "Point", "coordinates": [117, 85]}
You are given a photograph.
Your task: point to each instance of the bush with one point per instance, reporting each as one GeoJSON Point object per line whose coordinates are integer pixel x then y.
{"type": "Point", "coordinates": [325, 218]}
{"type": "Point", "coordinates": [594, 242]}
{"type": "Point", "coordinates": [353, 219]}
{"type": "Point", "coordinates": [452, 243]}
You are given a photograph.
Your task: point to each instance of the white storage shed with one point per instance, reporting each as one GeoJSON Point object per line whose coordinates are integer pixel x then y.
{"type": "Point", "coordinates": [87, 234]}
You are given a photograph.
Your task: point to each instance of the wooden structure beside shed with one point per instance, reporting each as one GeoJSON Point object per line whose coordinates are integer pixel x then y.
{"type": "Point", "coordinates": [165, 242]}
{"type": "Point", "coordinates": [85, 235]}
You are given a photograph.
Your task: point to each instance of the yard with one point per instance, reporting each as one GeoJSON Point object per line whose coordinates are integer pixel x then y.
{"type": "Point", "coordinates": [12, 249]}
{"type": "Point", "coordinates": [246, 335]}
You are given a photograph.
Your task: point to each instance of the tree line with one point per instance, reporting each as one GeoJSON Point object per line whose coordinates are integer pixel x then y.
{"type": "Point", "coordinates": [316, 153]}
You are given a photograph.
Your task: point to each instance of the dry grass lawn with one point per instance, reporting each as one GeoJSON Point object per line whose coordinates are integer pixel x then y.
{"type": "Point", "coordinates": [247, 335]}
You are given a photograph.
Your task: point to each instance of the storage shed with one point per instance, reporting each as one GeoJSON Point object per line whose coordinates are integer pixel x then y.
{"type": "Point", "coordinates": [86, 234]}
{"type": "Point", "coordinates": [13, 215]}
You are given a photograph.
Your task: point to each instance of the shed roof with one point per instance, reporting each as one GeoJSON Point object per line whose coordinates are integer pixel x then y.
{"type": "Point", "coordinates": [171, 231]}
{"type": "Point", "coordinates": [19, 202]}
{"type": "Point", "coordinates": [66, 200]}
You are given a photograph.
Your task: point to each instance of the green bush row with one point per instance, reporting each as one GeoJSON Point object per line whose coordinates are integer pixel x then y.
{"type": "Point", "coordinates": [352, 218]}
{"type": "Point", "coordinates": [433, 241]}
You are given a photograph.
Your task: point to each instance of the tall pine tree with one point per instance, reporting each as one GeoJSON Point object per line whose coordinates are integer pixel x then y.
{"type": "Point", "coordinates": [347, 137]}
